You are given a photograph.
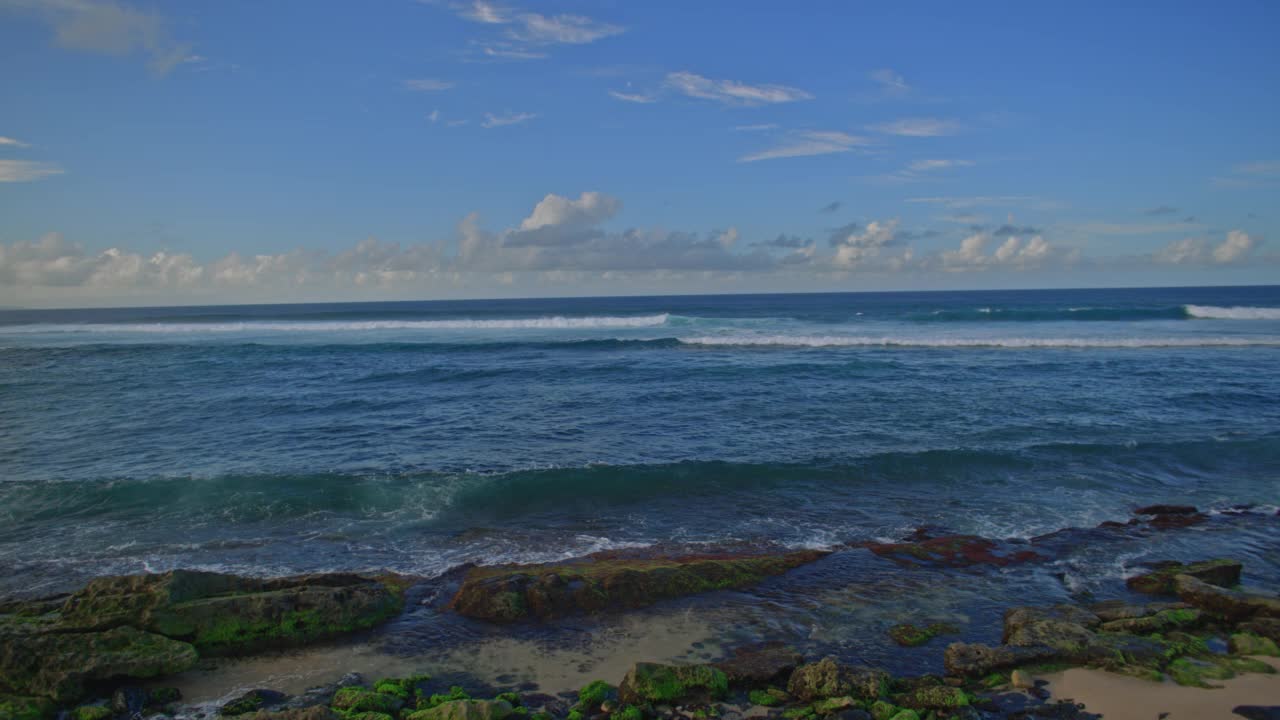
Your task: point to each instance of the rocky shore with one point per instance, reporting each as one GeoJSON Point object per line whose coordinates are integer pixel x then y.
{"type": "Point", "coordinates": [104, 651]}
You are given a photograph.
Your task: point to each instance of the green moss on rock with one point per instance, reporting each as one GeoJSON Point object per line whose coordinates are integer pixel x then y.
{"type": "Point", "coordinates": [1221, 572]}
{"type": "Point", "coordinates": [936, 697]}
{"type": "Point", "coordinates": [353, 700]}
{"type": "Point", "coordinates": [908, 635]}
{"type": "Point", "coordinates": [655, 683]}
{"type": "Point", "coordinates": [1249, 644]}
{"type": "Point", "coordinates": [767, 698]}
{"type": "Point", "coordinates": [828, 678]}
{"type": "Point", "coordinates": [594, 693]}
{"type": "Point", "coordinates": [91, 712]}
{"type": "Point", "coordinates": [465, 710]}
{"type": "Point", "coordinates": [21, 707]}
{"type": "Point", "coordinates": [630, 712]}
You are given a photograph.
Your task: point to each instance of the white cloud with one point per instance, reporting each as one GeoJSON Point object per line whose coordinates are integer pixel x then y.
{"type": "Point", "coordinates": [965, 203]}
{"type": "Point", "coordinates": [731, 92]}
{"type": "Point", "coordinates": [106, 27]}
{"type": "Point", "coordinates": [633, 97]}
{"type": "Point", "coordinates": [761, 127]}
{"type": "Point", "coordinates": [928, 165]}
{"type": "Point", "coordinates": [563, 29]}
{"type": "Point", "coordinates": [26, 171]}
{"type": "Point", "coordinates": [10, 142]}
{"type": "Point", "coordinates": [484, 12]}
{"type": "Point", "coordinates": [428, 84]}
{"type": "Point", "coordinates": [508, 118]}
{"type": "Point", "coordinates": [918, 127]}
{"type": "Point", "coordinates": [498, 52]}
{"type": "Point", "coordinates": [1237, 247]}
{"type": "Point", "coordinates": [590, 208]}
{"type": "Point", "coordinates": [807, 143]}
{"type": "Point", "coordinates": [434, 115]}
{"type": "Point", "coordinates": [856, 248]}
{"type": "Point", "coordinates": [890, 82]}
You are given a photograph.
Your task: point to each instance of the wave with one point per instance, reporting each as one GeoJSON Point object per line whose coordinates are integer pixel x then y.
{"type": "Point", "coordinates": [1078, 314]}
{"type": "Point", "coordinates": [1232, 313]}
{"type": "Point", "coordinates": [817, 341]}
{"type": "Point", "coordinates": [557, 322]}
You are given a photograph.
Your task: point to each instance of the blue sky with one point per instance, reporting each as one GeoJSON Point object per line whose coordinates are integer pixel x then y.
{"type": "Point", "coordinates": [174, 152]}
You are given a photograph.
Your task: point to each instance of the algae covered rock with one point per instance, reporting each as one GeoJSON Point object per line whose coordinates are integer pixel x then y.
{"type": "Point", "coordinates": [604, 582]}
{"type": "Point", "coordinates": [976, 660]}
{"type": "Point", "coordinates": [466, 710]}
{"type": "Point", "coordinates": [22, 707]}
{"type": "Point", "coordinates": [228, 614]}
{"type": "Point", "coordinates": [358, 700]}
{"type": "Point", "coordinates": [1249, 644]}
{"type": "Point", "coordinates": [828, 678]}
{"type": "Point", "coordinates": [1228, 604]}
{"type": "Point", "coordinates": [654, 683]}
{"type": "Point", "coordinates": [1220, 572]}
{"type": "Point", "coordinates": [1262, 627]}
{"type": "Point", "coordinates": [908, 635]}
{"type": "Point", "coordinates": [1160, 622]}
{"type": "Point", "coordinates": [57, 665]}
{"type": "Point", "coordinates": [1062, 627]}
{"type": "Point", "coordinates": [754, 667]}
{"type": "Point", "coordinates": [937, 697]}
{"type": "Point", "coordinates": [316, 712]}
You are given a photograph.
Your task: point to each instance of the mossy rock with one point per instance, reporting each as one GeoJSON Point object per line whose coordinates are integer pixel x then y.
{"type": "Point", "coordinates": [1249, 644]}
{"type": "Point", "coordinates": [908, 635]}
{"type": "Point", "coordinates": [1199, 672]}
{"type": "Point", "coordinates": [1221, 572]}
{"type": "Point", "coordinates": [465, 710]}
{"type": "Point", "coordinates": [630, 712]}
{"type": "Point", "coordinates": [1161, 622]}
{"type": "Point", "coordinates": [1226, 604]}
{"type": "Point", "coordinates": [91, 712]}
{"type": "Point", "coordinates": [654, 683]}
{"type": "Point", "coordinates": [828, 678]}
{"type": "Point", "coordinates": [593, 694]}
{"type": "Point", "coordinates": [22, 707]}
{"type": "Point", "coordinates": [357, 700]}
{"type": "Point", "coordinates": [770, 697]}
{"type": "Point", "coordinates": [506, 593]}
{"type": "Point", "coordinates": [936, 697]}
{"type": "Point", "coordinates": [316, 712]}
{"type": "Point", "coordinates": [882, 710]}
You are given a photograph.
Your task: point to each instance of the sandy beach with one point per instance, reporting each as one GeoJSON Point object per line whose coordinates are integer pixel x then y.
{"type": "Point", "coordinates": [1117, 697]}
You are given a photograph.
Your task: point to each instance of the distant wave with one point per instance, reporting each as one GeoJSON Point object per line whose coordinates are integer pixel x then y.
{"type": "Point", "coordinates": [1233, 313]}
{"type": "Point", "coordinates": [539, 323]}
{"type": "Point", "coordinates": [1076, 314]}
{"type": "Point", "coordinates": [959, 342]}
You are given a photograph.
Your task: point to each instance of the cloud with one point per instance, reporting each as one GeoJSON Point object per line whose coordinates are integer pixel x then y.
{"type": "Point", "coordinates": [500, 52]}
{"type": "Point", "coordinates": [508, 118]}
{"type": "Point", "coordinates": [428, 85]}
{"type": "Point", "coordinates": [10, 142]}
{"type": "Point", "coordinates": [562, 29]}
{"type": "Point", "coordinates": [1237, 247]}
{"type": "Point", "coordinates": [856, 248]}
{"type": "Point", "coordinates": [964, 203]}
{"type": "Point", "coordinates": [809, 142]}
{"type": "Point", "coordinates": [524, 31]}
{"type": "Point", "coordinates": [26, 171]}
{"type": "Point", "coordinates": [106, 27]}
{"type": "Point", "coordinates": [759, 127]}
{"type": "Point", "coordinates": [1014, 254]}
{"type": "Point", "coordinates": [786, 242]}
{"type": "Point", "coordinates": [1248, 175]}
{"type": "Point", "coordinates": [891, 83]}
{"type": "Point", "coordinates": [929, 165]}
{"type": "Point", "coordinates": [830, 207]}
{"type": "Point", "coordinates": [633, 97]}
{"type": "Point", "coordinates": [731, 92]}
{"type": "Point", "coordinates": [918, 127]}
{"type": "Point", "coordinates": [1006, 230]}
{"type": "Point", "coordinates": [1160, 210]}
{"type": "Point", "coordinates": [434, 115]}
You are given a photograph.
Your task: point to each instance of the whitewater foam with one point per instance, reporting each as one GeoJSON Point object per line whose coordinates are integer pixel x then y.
{"type": "Point", "coordinates": [1232, 313]}
{"type": "Point", "coordinates": [962, 342]}
{"type": "Point", "coordinates": [540, 323]}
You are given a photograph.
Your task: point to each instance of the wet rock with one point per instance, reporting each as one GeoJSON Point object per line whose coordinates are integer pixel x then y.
{"type": "Point", "coordinates": [1059, 626]}
{"type": "Point", "coordinates": [976, 660]}
{"type": "Point", "coordinates": [1161, 622]}
{"type": "Point", "coordinates": [251, 702]}
{"type": "Point", "coordinates": [1209, 671]}
{"type": "Point", "coordinates": [128, 700]}
{"type": "Point", "coordinates": [316, 712]}
{"type": "Point", "coordinates": [938, 697]}
{"type": "Point", "coordinates": [654, 683]}
{"type": "Point", "coordinates": [607, 582]}
{"type": "Point", "coordinates": [21, 707]}
{"type": "Point", "coordinates": [227, 614]}
{"type": "Point", "coordinates": [852, 714]}
{"type": "Point", "coordinates": [1257, 712]}
{"type": "Point", "coordinates": [908, 635]}
{"type": "Point", "coordinates": [1262, 627]}
{"type": "Point", "coordinates": [827, 679]}
{"type": "Point", "coordinates": [466, 710]}
{"type": "Point", "coordinates": [1167, 510]}
{"type": "Point", "coordinates": [1021, 680]}
{"type": "Point", "coordinates": [1248, 644]}
{"type": "Point", "coordinates": [1228, 604]}
{"type": "Point", "coordinates": [955, 551]}
{"type": "Point", "coordinates": [89, 712]}
{"type": "Point", "coordinates": [756, 667]}
{"type": "Point", "coordinates": [833, 705]}
{"type": "Point", "coordinates": [1120, 610]}
{"type": "Point", "coordinates": [1221, 572]}
{"type": "Point", "coordinates": [58, 664]}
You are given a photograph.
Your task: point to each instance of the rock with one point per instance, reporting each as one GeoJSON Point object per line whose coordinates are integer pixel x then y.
{"type": "Point", "coordinates": [1167, 510]}
{"type": "Point", "coordinates": [938, 697]}
{"type": "Point", "coordinates": [252, 701]}
{"type": "Point", "coordinates": [1021, 680]}
{"type": "Point", "coordinates": [954, 551]}
{"type": "Point", "coordinates": [654, 683]}
{"type": "Point", "coordinates": [976, 660]}
{"type": "Point", "coordinates": [830, 706]}
{"type": "Point", "coordinates": [1247, 644]}
{"type": "Point", "coordinates": [852, 714]}
{"type": "Point", "coordinates": [466, 710]}
{"type": "Point", "coordinates": [20, 707]}
{"type": "Point", "coordinates": [316, 712]}
{"type": "Point", "coordinates": [128, 700]}
{"type": "Point", "coordinates": [1257, 712]}
{"type": "Point", "coordinates": [1161, 622]}
{"type": "Point", "coordinates": [57, 665]}
{"type": "Point", "coordinates": [1120, 610]}
{"type": "Point", "coordinates": [1060, 626]}
{"type": "Point", "coordinates": [1221, 572]}
{"type": "Point", "coordinates": [89, 712]}
{"type": "Point", "coordinates": [1228, 604]}
{"type": "Point", "coordinates": [606, 582]}
{"type": "Point", "coordinates": [159, 697]}
{"type": "Point", "coordinates": [227, 614]}
{"type": "Point", "coordinates": [827, 679]}
{"type": "Point", "coordinates": [757, 667]}
{"type": "Point", "coordinates": [908, 635]}
{"type": "Point", "coordinates": [1262, 627]}
{"type": "Point", "coordinates": [1197, 672]}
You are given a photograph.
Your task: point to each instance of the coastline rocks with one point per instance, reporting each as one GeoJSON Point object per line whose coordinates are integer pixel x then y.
{"type": "Point", "coordinates": [954, 551]}
{"type": "Point", "coordinates": [252, 701]}
{"type": "Point", "coordinates": [1220, 572]}
{"type": "Point", "coordinates": [1164, 517]}
{"type": "Point", "coordinates": [827, 679]}
{"type": "Point", "coordinates": [57, 665]}
{"type": "Point", "coordinates": [1263, 627]}
{"type": "Point", "coordinates": [20, 707]}
{"type": "Point", "coordinates": [1229, 604]}
{"type": "Point", "coordinates": [1247, 644]}
{"type": "Point", "coordinates": [757, 667]}
{"type": "Point", "coordinates": [316, 712]}
{"type": "Point", "coordinates": [648, 683]}
{"type": "Point", "coordinates": [975, 659]}
{"type": "Point", "coordinates": [227, 614]}
{"type": "Point", "coordinates": [1111, 610]}
{"type": "Point", "coordinates": [1161, 622]}
{"type": "Point", "coordinates": [465, 710]}
{"type": "Point", "coordinates": [908, 635]}
{"type": "Point", "coordinates": [602, 582]}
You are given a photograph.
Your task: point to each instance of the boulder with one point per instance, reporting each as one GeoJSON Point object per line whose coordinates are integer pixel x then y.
{"type": "Point", "coordinates": [57, 665]}
{"type": "Point", "coordinates": [1110, 610]}
{"type": "Point", "coordinates": [606, 582]}
{"type": "Point", "coordinates": [21, 707]}
{"type": "Point", "coordinates": [828, 678]}
{"type": "Point", "coordinates": [1221, 572]}
{"type": "Point", "coordinates": [251, 702]}
{"type": "Point", "coordinates": [466, 710]}
{"type": "Point", "coordinates": [1248, 644]}
{"type": "Point", "coordinates": [937, 697]}
{"type": "Point", "coordinates": [1059, 626]}
{"type": "Point", "coordinates": [908, 635]}
{"type": "Point", "coordinates": [757, 667]}
{"type": "Point", "coordinates": [672, 684]}
{"type": "Point", "coordinates": [1161, 622]}
{"type": "Point", "coordinates": [1229, 604]}
{"type": "Point", "coordinates": [316, 712]}
{"type": "Point", "coordinates": [1263, 627]}
{"type": "Point", "coordinates": [977, 660]}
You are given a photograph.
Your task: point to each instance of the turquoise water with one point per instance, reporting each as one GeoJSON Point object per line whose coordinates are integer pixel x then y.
{"type": "Point", "coordinates": [420, 436]}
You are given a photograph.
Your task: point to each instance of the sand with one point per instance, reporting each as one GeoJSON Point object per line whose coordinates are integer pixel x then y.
{"type": "Point", "coordinates": [1117, 697]}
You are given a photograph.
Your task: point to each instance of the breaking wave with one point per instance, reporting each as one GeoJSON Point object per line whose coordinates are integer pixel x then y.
{"type": "Point", "coordinates": [1232, 313]}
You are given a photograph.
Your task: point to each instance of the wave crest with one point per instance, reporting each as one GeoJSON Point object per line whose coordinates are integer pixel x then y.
{"type": "Point", "coordinates": [1233, 313]}
{"type": "Point", "coordinates": [975, 342]}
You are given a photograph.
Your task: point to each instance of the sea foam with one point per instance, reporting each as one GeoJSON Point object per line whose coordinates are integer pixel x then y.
{"type": "Point", "coordinates": [962, 342]}
{"type": "Point", "coordinates": [1233, 313]}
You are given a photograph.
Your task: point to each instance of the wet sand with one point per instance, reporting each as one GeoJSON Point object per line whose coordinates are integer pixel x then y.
{"type": "Point", "coordinates": [1117, 697]}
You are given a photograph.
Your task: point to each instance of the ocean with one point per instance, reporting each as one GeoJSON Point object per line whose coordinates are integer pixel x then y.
{"type": "Point", "coordinates": [420, 436]}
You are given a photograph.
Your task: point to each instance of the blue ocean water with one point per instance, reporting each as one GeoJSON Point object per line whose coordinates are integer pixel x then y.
{"type": "Point", "coordinates": [419, 436]}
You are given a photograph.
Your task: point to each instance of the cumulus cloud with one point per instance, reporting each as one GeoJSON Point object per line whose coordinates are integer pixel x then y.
{"type": "Point", "coordinates": [732, 92]}
{"type": "Point", "coordinates": [106, 27]}
{"type": "Point", "coordinates": [856, 248]}
{"type": "Point", "coordinates": [918, 127]}
{"type": "Point", "coordinates": [809, 142]}
{"type": "Point", "coordinates": [26, 171]}
{"type": "Point", "coordinates": [1013, 253]}
{"type": "Point", "coordinates": [1237, 247]}
{"type": "Point", "coordinates": [10, 142]}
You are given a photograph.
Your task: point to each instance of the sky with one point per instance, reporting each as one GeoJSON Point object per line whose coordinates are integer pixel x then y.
{"type": "Point", "coordinates": [173, 152]}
